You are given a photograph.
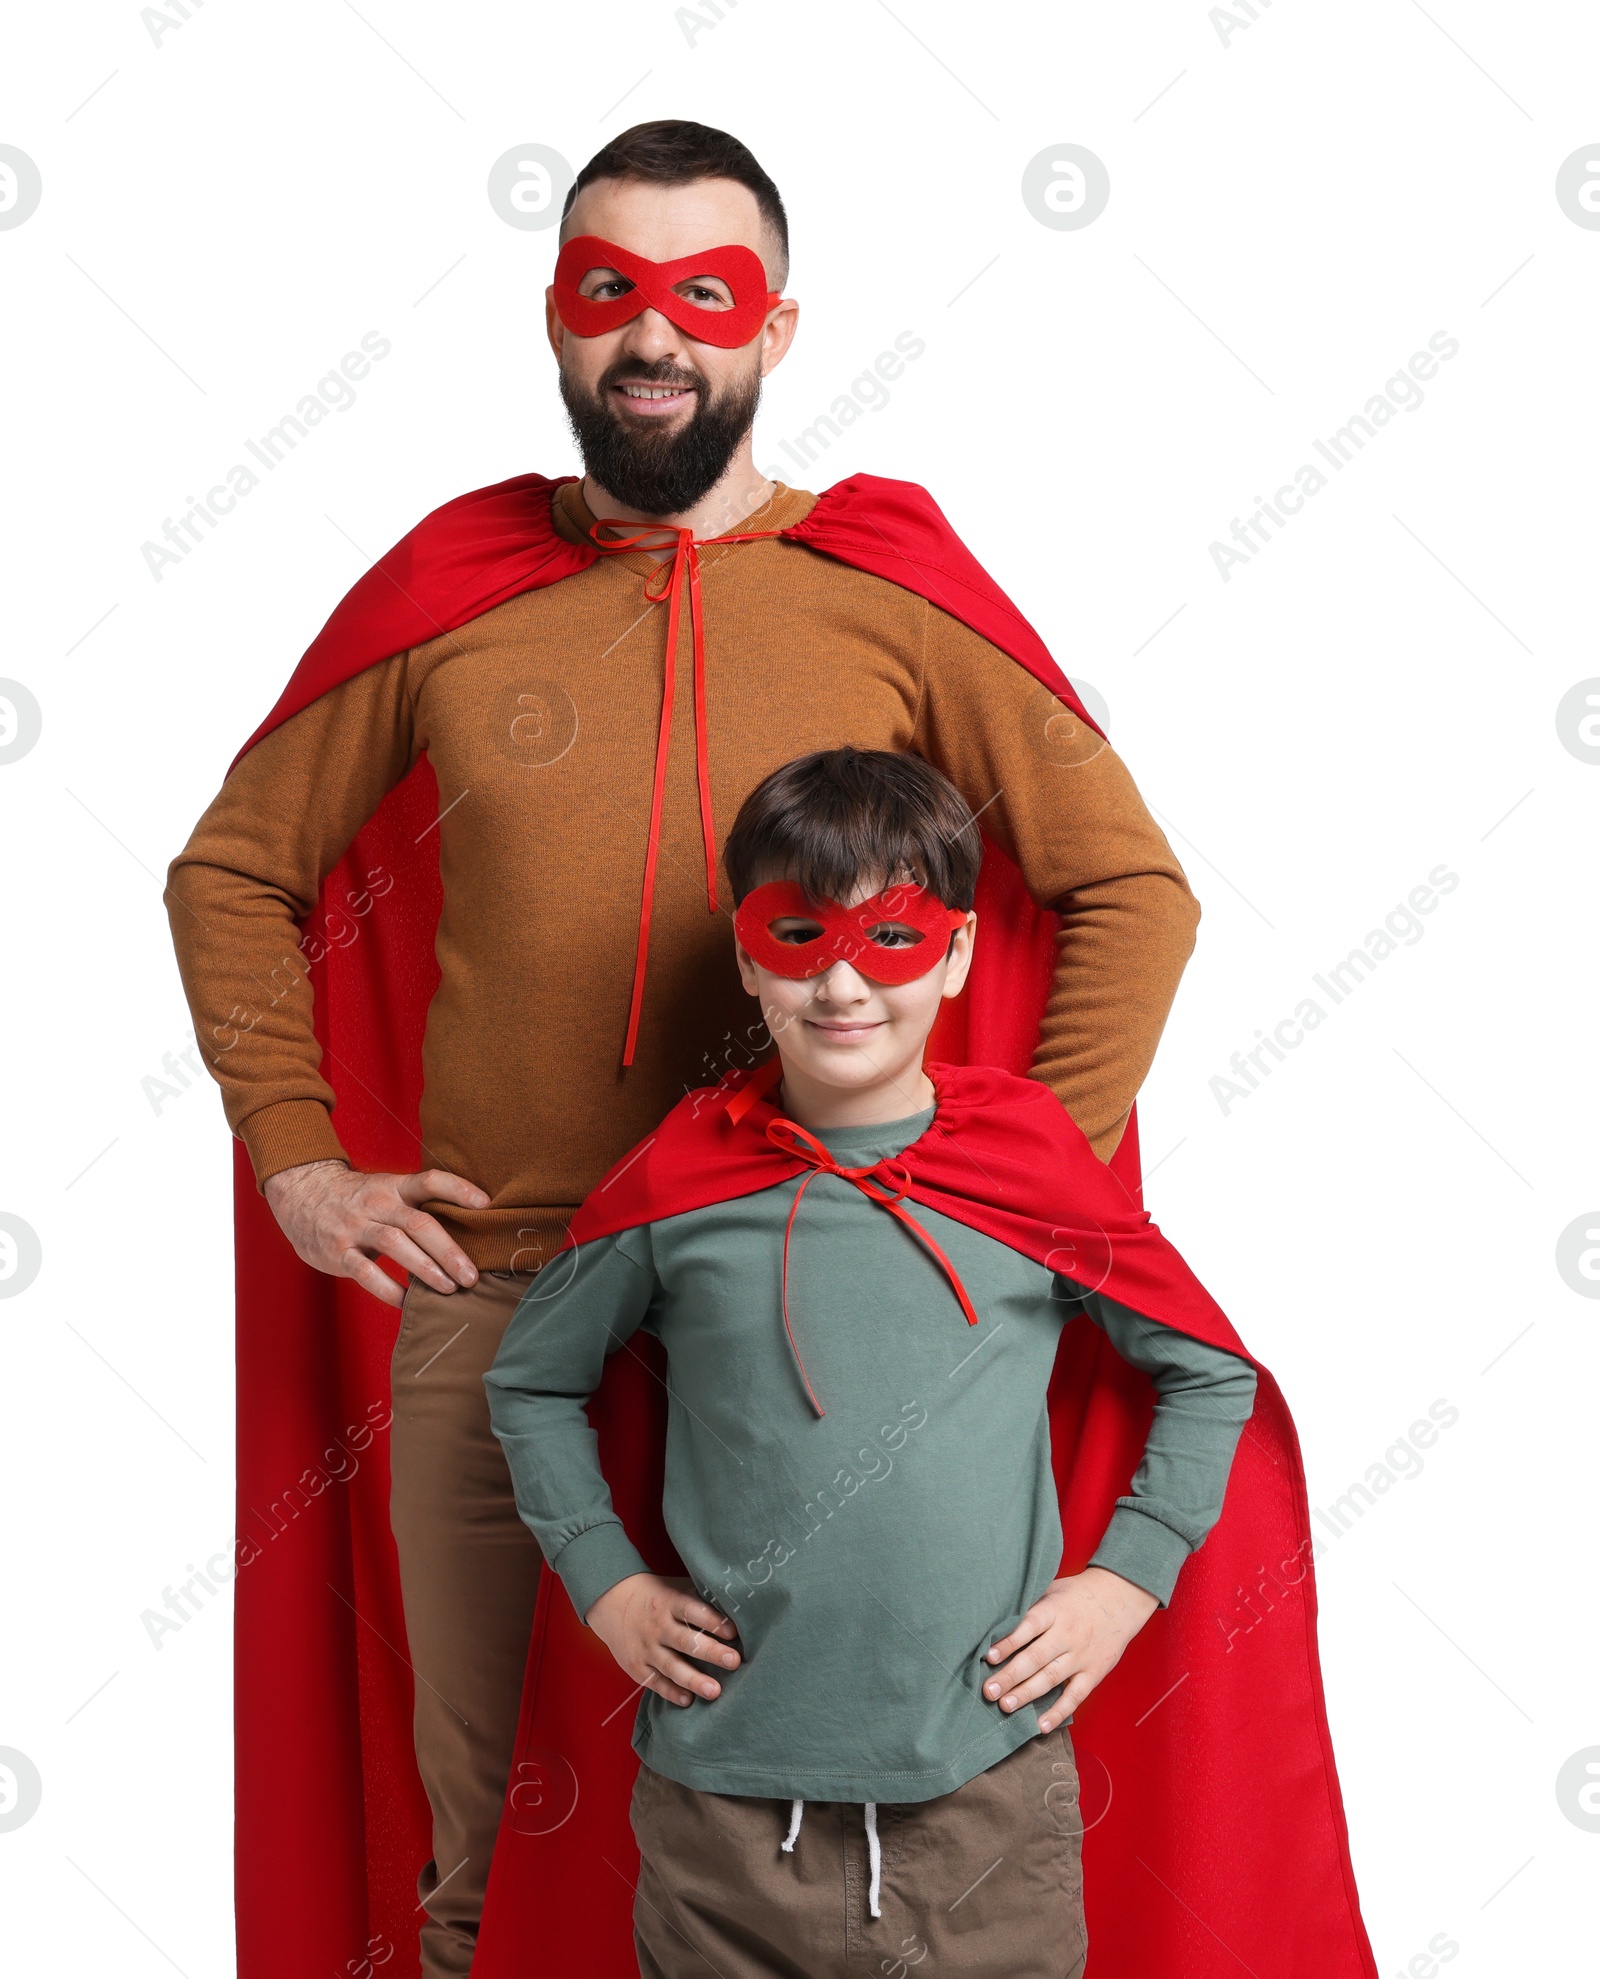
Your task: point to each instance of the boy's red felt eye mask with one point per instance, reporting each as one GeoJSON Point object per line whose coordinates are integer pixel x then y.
{"type": "Point", "coordinates": [869, 936]}
{"type": "Point", "coordinates": [655, 287]}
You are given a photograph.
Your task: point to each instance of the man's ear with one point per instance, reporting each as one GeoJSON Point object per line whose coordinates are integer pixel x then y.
{"type": "Point", "coordinates": [778, 334]}
{"type": "Point", "coordinates": [962, 943]}
{"type": "Point", "coordinates": [554, 328]}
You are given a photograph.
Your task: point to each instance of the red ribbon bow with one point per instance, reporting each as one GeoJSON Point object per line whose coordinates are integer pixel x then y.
{"type": "Point", "coordinates": [884, 1182]}
{"type": "Point", "coordinates": [683, 565]}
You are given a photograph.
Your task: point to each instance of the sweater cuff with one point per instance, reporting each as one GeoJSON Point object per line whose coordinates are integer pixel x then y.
{"type": "Point", "coordinates": [286, 1135]}
{"type": "Point", "coordinates": [1142, 1550]}
{"type": "Point", "coordinates": [595, 1561]}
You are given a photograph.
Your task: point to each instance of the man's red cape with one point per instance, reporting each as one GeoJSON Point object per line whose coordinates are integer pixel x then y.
{"type": "Point", "coordinates": [1218, 1837]}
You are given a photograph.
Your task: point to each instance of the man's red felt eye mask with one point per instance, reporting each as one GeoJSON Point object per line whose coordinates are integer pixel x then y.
{"type": "Point", "coordinates": [655, 287]}
{"type": "Point", "coordinates": [846, 933]}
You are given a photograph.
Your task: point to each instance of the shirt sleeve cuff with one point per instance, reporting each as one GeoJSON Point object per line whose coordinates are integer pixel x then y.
{"type": "Point", "coordinates": [1142, 1550]}
{"type": "Point", "coordinates": [286, 1135]}
{"type": "Point", "coordinates": [595, 1561]}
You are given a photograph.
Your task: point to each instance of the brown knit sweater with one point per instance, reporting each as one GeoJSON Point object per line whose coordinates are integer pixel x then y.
{"type": "Point", "coordinates": [540, 718]}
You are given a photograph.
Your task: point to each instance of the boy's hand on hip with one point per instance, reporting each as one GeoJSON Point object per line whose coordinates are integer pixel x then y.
{"type": "Point", "coordinates": [340, 1219]}
{"type": "Point", "coordinates": [653, 1625]}
{"type": "Point", "coordinates": [1073, 1634]}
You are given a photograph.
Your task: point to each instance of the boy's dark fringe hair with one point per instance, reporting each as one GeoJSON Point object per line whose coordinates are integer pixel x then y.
{"type": "Point", "coordinates": [671, 152]}
{"type": "Point", "coordinates": [841, 818]}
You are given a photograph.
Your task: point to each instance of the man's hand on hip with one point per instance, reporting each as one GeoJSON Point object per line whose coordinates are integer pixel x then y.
{"type": "Point", "coordinates": [340, 1220]}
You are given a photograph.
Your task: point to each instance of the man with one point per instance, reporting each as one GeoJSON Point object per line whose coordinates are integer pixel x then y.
{"type": "Point", "coordinates": [589, 738]}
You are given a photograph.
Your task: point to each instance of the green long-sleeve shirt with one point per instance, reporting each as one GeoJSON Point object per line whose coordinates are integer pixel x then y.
{"type": "Point", "coordinates": [871, 1555]}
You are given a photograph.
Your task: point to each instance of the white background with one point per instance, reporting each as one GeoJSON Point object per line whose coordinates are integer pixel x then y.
{"type": "Point", "coordinates": [1297, 205]}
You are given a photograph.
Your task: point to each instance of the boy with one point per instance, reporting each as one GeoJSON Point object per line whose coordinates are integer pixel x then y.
{"type": "Point", "coordinates": [853, 1738]}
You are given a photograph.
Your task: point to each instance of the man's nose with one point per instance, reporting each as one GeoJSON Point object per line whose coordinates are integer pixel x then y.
{"type": "Point", "coordinates": [650, 337]}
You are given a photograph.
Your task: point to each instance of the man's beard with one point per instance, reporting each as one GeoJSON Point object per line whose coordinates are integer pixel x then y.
{"type": "Point", "coordinates": [644, 466]}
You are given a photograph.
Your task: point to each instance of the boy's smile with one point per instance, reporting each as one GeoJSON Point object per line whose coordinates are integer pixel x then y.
{"type": "Point", "coordinates": [852, 1030]}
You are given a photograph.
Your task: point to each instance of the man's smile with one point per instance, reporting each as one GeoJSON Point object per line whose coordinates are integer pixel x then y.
{"type": "Point", "coordinates": [651, 401]}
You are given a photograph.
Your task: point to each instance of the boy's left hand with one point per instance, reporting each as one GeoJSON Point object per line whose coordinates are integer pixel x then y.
{"type": "Point", "coordinates": [1073, 1634]}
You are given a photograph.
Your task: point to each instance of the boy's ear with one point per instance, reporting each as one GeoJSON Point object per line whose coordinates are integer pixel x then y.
{"type": "Point", "coordinates": [960, 961]}
{"type": "Point", "coordinates": [747, 971]}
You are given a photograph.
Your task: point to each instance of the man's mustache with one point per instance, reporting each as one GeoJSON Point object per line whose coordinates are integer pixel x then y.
{"type": "Point", "coordinates": [660, 373]}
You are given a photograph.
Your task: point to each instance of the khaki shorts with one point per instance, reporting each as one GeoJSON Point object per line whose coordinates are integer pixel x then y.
{"type": "Point", "coordinates": [985, 1882]}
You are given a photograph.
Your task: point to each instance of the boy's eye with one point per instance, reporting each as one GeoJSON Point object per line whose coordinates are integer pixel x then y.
{"type": "Point", "coordinates": [893, 934]}
{"type": "Point", "coordinates": [796, 933]}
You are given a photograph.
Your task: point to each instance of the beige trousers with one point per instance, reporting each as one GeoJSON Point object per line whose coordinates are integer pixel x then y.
{"type": "Point", "coordinates": [982, 1883]}
{"type": "Point", "coordinates": [469, 1571]}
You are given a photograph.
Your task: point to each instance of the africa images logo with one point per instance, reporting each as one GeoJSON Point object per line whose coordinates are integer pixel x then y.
{"type": "Point", "coordinates": [1402, 928]}
{"type": "Point", "coordinates": [1402, 392]}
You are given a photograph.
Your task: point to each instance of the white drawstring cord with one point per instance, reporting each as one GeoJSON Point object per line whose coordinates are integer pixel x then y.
{"type": "Point", "coordinates": [874, 1851]}
{"type": "Point", "coordinates": [874, 1857]}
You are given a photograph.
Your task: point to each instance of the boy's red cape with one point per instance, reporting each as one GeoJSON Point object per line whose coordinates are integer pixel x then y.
{"type": "Point", "coordinates": [1216, 1839]}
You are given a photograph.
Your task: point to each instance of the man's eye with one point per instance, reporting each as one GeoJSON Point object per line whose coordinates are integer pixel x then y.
{"type": "Point", "coordinates": [704, 298]}
{"type": "Point", "coordinates": [610, 289]}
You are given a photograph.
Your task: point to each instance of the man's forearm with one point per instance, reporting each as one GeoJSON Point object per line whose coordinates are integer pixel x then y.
{"type": "Point", "coordinates": [1056, 797]}
{"type": "Point", "coordinates": [247, 980]}
{"type": "Point", "coordinates": [1120, 954]}
{"type": "Point", "coordinates": [250, 874]}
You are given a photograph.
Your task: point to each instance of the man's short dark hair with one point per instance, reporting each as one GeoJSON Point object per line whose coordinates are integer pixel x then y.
{"type": "Point", "coordinates": [670, 152]}
{"type": "Point", "coordinates": [842, 818]}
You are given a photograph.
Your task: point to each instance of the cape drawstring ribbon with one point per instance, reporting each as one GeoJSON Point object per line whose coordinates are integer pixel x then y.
{"type": "Point", "coordinates": [883, 1182]}
{"type": "Point", "coordinates": [682, 567]}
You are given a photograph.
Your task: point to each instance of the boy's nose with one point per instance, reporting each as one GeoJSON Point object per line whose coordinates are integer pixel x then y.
{"type": "Point", "coordinates": [842, 984]}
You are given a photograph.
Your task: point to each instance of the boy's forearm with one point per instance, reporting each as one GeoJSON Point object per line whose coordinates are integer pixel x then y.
{"type": "Point", "coordinates": [1142, 1549]}
{"type": "Point", "coordinates": [1204, 1396]}
{"type": "Point", "coordinates": [595, 1561]}
{"type": "Point", "coordinates": [550, 1362]}
{"type": "Point", "coordinates": [561, 1491]}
